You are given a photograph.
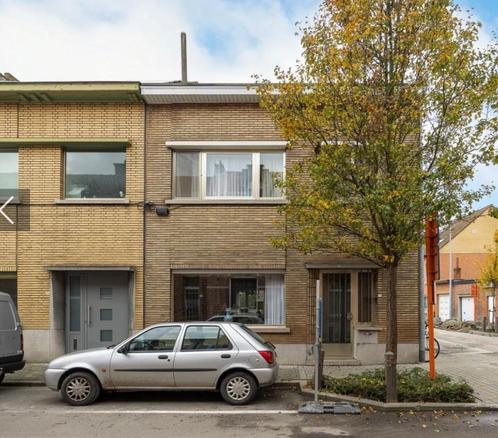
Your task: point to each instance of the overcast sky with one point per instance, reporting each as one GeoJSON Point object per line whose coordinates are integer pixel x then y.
{"type": "Point", "coordinates": [228, 40]}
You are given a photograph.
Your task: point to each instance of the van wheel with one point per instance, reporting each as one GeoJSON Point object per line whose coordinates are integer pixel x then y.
{"type": "Point", "coordinates": [2, 375]}
{"type": "Point", "coordinates": [80, 389]}
{"type": "Point", "coordinates": [238, 388]}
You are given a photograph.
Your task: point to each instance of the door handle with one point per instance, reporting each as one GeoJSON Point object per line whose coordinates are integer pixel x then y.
{"type": "Point", "coordinates": [162, 356]}
{"type": "Point", "coordinates": [226, 356]}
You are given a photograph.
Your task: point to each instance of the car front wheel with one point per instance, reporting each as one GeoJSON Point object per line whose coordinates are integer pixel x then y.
{"type": "Point", "coordinates": [80, 389]}
{"type": "Point", "coordinates": [2, 375]}
{"type": "Point", "coordinates": [238, 388]}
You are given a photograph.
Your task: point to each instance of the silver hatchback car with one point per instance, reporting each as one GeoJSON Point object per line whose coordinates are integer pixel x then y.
{"type": "Point", "coordinates": [223, 356]}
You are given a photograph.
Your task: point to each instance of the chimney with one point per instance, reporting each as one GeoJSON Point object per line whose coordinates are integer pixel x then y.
{"type": "Point", "coordinates": [183, 39]}
{"type": "Point", "coordinates": [457, 271]}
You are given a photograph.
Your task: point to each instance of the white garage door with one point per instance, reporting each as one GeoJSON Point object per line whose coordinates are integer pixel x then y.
{"type": "Point", "coordinates": [467, 308]}
{"type": "Point", "coordinates": [443, 306]}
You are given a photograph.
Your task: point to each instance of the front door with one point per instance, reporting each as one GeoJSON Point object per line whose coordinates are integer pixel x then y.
{"type": "Point", "coordinates": [337, 308]}
{"type": "Point", "coordinates": [97, 311]}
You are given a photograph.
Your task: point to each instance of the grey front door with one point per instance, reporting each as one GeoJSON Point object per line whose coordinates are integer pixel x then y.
{"type": "Point", "coordinates": [337, 306]}
{"type": "Point", "coordinates": [97, 310]}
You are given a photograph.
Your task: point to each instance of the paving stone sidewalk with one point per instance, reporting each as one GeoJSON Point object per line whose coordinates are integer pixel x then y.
{"type": "Point", "coordinates": [466, 356]}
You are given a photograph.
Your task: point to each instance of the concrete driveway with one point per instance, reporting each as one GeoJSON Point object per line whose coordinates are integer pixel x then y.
{"type": "Point", "coordinates": [473, 358]}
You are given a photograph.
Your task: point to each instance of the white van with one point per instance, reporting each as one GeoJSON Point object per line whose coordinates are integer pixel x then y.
{"type": "Point", "coordinates": [11, 341]}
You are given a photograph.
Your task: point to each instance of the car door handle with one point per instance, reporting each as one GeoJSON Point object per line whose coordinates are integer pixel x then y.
{"type": "Point", "coordinates": [226, 356]}
{"type": "Point", "coordinates": [162, 356]}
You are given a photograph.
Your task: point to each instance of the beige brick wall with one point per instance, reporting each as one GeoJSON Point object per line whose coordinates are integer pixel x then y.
{"type": "Point", "coordinates": [81, 235]}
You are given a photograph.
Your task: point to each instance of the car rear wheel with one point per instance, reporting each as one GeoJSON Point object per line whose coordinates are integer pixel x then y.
{"type": "Point", "coordinates": [2, 375]}
{"type": "Point", "coordinates": [238, 388]}
{"type": "Point", "coordinates": [80, 389]}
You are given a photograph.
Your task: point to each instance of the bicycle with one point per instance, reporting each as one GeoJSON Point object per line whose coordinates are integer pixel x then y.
{"type": "Point", "coordinates": [437, 347]}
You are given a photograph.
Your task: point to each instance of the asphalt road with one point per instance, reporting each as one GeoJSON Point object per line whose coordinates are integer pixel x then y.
{"type": "Point", "coordinates": [38, 412]}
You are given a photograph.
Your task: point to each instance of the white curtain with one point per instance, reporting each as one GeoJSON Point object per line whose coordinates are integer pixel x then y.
{"type": "Point", "coordinates": [229, 174]}
{"type": "Point", "coordinates": [274, 299]}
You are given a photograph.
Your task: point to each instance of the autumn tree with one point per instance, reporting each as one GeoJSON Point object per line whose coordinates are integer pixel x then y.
{"type": "Point", "coordinates": [393, 99]}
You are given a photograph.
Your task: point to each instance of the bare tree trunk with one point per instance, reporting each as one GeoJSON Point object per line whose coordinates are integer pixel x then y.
{"type": "Point", "coordinates": [391, 356]}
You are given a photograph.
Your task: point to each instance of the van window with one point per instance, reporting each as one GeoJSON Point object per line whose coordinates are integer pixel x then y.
{"type": "Point", "coordinates": [7, 321]}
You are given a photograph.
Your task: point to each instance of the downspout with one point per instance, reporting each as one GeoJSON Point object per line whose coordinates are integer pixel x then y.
{"type": "Point", "coordinates": [422, 310]}
{"type": "Point", "coordinates": [144, 225]}
{"type": "Point", "coordinates": [450, 276]}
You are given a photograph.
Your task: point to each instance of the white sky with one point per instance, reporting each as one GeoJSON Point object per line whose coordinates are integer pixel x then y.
{"type": "Point", "coordinates": [228, 41]}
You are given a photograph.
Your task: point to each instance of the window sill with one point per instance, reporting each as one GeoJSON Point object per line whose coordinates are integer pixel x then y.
{"type": "Point", "coordinates": [368, 328]}
{"type": "Point", "coordinates": [269, 328]}
{"type": "Point", "coordinates": [278, 201]}
{"type": "Point", "coordinates": [93, 201]}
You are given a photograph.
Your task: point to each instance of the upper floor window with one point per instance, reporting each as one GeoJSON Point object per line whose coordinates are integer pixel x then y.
{"type": "Point", "coordinates": [228, 175]}
{"type": "Point", "coordinates": [9, 171]}
{"type": "Point", "coordinates": [95, 174]}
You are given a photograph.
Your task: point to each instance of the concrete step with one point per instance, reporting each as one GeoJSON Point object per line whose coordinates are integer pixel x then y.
{"type": "Point", "coordinates": [339, 361]}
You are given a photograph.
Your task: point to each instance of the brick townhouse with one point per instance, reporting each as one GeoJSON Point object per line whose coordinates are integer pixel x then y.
{"type": "Point", "coordinates": [158, 203]}
{"type": "Point", "coordinates": [72, 155]}
{"type": "Point", "coordinates": [211, 158]}
{"type": "Point", "coordinates": [463, 254]}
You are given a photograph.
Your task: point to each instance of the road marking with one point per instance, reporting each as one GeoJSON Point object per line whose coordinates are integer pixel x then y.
{"type": "Point", "coordinates": [153, 411]}
{"type": "Point", "coordinates": [3, 213]}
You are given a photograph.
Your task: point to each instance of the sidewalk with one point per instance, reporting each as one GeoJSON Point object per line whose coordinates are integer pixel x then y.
{"type": "Point", "coordinates": [30, 375]}
{"type": "Point", "coordinates": [485, 386]}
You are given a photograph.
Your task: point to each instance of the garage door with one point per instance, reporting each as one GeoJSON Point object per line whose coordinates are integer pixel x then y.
{"type": "Point", "coordinates": [467, 308]}
{"type": "Point", "coordinates": [443, 307]}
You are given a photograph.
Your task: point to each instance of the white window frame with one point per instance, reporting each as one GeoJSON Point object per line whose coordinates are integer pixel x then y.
{"type": "Point", "coordinates": [255, 187]}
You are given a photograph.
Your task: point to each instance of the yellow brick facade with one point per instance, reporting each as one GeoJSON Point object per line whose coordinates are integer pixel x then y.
{"type": "Point", "coordinates": [71, 235]}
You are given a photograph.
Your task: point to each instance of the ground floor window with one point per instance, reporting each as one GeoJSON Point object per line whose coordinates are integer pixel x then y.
{"type": "Point", "coordinates": [366, 297]}
{"type": "Point", "coordinates": [8, 284]}
{"type": "Point", "coordinates": [245, 298]}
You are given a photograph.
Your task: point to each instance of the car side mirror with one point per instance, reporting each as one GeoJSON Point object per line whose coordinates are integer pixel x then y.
{"type": "Point", "coordinates": [124, 349]}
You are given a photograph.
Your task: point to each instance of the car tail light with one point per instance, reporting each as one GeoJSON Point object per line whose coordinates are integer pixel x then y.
{"type": "Point", "coordinates": [268, 356]}
{"type": "Point", "coordinates": [22, 342]}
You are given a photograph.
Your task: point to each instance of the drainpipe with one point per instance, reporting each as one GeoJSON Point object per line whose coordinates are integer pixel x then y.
{"type": "Point", "coordinates": [421, 299]}
{"type": "Point", "coordinates": [450, 276]}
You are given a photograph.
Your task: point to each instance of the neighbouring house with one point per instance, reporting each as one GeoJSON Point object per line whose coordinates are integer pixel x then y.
{"type": "Point", "coordinates": [157, 203]}
{"type": "Point", "coordinates": [72, 155]}
{"type": "Point", "coordinates": [464, 249]}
